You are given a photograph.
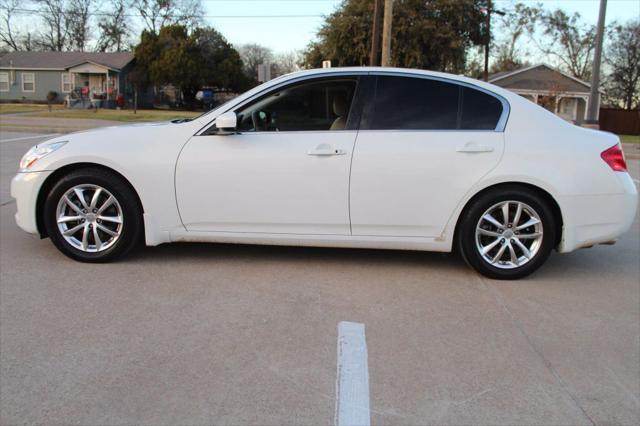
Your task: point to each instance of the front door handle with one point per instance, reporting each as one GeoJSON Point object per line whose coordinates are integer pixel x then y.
{"type": "Point", "coordinates": [472, 147]}
{"type": "Point", "coordinates": [325, 150]}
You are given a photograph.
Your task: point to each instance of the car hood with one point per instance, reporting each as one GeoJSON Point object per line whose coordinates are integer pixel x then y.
{"type": "Point", "coordinates": [128, 144]}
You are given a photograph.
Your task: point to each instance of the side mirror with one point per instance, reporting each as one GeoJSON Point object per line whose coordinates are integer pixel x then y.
{"type": "Point", "coordinates": [226, 123]}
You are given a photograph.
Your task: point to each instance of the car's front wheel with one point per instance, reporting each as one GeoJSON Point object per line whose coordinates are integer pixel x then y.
{"type": "Point", "coordinates": [92, 215]}
{"type": "Point", "coordinates": [507, 232]}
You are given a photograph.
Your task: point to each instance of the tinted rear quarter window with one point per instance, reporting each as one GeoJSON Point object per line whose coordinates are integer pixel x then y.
{"type": "Point", "coordinates": [480, 111]}
{"type": "Point", "coordinates": [414, 103]}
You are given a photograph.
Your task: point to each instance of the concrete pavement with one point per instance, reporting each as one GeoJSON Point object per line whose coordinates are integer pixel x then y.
{"type": "Point", "coordinates": [203, 334]}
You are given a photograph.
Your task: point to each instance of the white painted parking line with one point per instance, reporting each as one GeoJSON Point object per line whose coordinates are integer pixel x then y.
{"type": "Point", "coordinates": [352, 381]}
{"type": "Point", "coordinates": [47, 135]}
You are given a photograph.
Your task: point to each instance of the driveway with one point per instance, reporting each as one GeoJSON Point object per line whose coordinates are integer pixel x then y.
{"type": "Point", "coordinates": [226, 334]}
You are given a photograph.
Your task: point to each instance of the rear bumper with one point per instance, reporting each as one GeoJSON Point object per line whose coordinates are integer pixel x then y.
{"type": "Point", "coordinates": [25, 188]}
{"type": "Point", "coordinates": [597, 219]}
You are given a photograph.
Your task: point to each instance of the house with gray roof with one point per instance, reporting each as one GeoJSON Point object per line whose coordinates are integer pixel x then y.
{"type": "Point", "coordinates": [555, 90]}
{"type": "Point", "coordinates": [87, 76]}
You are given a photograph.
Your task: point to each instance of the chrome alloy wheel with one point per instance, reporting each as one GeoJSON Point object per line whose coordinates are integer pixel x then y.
{"type": "Point", "coordinates": [509, 234]}
{"type": "Point", "coordinates": [89, 218]}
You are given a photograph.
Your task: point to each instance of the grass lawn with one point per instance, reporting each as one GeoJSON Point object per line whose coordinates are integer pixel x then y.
{"type": "Point", "coordinates": [117, 115]}
{"type": "Point", "coordinates": [14, 108]}
{"type": "Point", "coordinates": [629, 138]}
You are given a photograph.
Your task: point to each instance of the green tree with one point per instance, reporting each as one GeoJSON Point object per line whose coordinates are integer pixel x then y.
{"type": "Point", "coordinates": [178, 61]}
{"type": "Point", "coordinates": [188, 60]}
{"type": "Point", "coordinates": [623, 57]}
{"type": "Point", "coordinates": [222, 65]}
{"type": "Point", "coordinates": [431, 35]}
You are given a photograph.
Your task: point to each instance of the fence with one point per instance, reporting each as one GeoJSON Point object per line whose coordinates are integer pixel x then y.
{"type": "Point", "coordinates": [620, 121]}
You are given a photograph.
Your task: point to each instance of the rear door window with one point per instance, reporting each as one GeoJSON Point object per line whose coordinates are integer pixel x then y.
{"type": "Point", "coordinates": [405, 103]}
{"type": "Point", "coordinates": [408, 103]}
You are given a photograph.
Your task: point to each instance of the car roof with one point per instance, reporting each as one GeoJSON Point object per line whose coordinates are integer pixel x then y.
{"type": "Point", "coordinates": [407, 71]}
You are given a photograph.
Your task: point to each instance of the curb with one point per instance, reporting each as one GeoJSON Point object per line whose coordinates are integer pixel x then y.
{"type": "Point", "coordinates": [631, 151]}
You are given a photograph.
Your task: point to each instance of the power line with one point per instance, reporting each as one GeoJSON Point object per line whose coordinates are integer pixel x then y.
{"type": "Point", "coordinates": [137, 15]}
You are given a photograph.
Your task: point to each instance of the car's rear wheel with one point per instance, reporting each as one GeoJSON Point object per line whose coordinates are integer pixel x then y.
{"type": "Point", "coordinates": [507, 232]}
{"type": "Point", "coordinates": [92, 215]}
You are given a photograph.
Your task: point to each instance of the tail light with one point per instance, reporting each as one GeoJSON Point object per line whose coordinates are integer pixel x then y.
{"type": "Point", "coordinates": [614, 157]}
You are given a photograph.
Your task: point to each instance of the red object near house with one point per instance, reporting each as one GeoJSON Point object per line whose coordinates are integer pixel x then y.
{"type": "Point", "coordinates": [120, 101]}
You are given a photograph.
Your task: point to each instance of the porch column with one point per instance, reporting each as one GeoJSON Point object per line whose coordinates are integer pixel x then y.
{"type": "Point", "coordinates": [107, 87]}
{"type": "Point", "coordinates": [557, 106]}
{"type": "Point", "coordinates": [586, 106]}
{"type": "Point", "coordinates": [72, 81]}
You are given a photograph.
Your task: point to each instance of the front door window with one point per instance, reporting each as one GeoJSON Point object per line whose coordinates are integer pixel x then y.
{"type": "Point", "coordinates": [319, 106]}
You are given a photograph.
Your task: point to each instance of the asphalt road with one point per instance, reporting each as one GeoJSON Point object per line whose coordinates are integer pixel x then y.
{"type": "Point", "coordinates": [202, 334]}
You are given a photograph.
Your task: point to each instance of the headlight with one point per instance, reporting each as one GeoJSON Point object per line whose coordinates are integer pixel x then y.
{"type": "Point", "coordinates": [37, 152]}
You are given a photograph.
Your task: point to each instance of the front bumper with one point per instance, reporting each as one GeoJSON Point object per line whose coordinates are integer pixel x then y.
{"type": "Point", "coordinates": [598, 219]}
{"type": "Point", "coordinates": [25, 188]}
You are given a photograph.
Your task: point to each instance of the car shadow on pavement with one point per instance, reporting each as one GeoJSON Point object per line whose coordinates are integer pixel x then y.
{"type": "Point", "coordinates": [582, 264]}
{"type": "Point", "coordinates": [266, 253]}
{"type": "Point", "coordinates": [588, 263]}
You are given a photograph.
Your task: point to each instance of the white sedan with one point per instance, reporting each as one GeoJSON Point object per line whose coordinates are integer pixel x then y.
{"type": "Point", "coordinates": [349, 157]}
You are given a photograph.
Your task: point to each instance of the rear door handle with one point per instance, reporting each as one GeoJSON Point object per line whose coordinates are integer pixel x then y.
{"type": "Point", "coordinates": [325, 151]}
{"type": "Point", "coordinates": [472, 147]}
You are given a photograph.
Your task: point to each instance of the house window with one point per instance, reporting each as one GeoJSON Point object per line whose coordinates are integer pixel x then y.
{"type": "Point", "coordinates": [28, 82]}
{"type": "Point", "coordinates": [66, 83]}
{"type": "Point", "coordinates": [4, 81]}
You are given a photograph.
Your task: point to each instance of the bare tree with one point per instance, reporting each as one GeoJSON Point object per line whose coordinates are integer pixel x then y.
{"type": "Point", "coordinates": [623, 57]}
{"type": "Point", "coordinates": [7, 34]}
{"type": "Point", "coordinates": [159, 13]}
{"type": "Point", "coordinates": [569, 41]}
{"type": "Point", "coordinates": [517, 22]}
{"type": "Point", "coordinates": [253, 55]}
{"type": "Point", "coordinates": [27, 42]}
{"type": "Point", "coordinates": [77, 21]}
{"type": "Point", "coordinates": [55, 33]}
{"type": "Point", "coordinates": [288, 62]}
{"type": "Point", "coordinates": [114, 28]}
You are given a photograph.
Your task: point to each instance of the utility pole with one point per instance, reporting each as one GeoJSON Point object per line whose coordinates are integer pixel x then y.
{"type": "Point", "coordinates": [594, 97]}
{"type": "Point", "coordinates": [386, 33]}
{"type": "Point", "coordinates": [488, 39]}
{"type": "Point", "coordinates": [375, 34]}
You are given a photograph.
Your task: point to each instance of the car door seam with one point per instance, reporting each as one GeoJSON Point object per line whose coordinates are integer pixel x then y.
{"type": "Point", "coordinates": [175, 182]}
{"type": "Point", "coordinates": [353, 153]}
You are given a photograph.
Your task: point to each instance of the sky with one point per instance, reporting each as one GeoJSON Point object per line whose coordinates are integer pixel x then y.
{"type": "Point", "coordinates": [297, 21]}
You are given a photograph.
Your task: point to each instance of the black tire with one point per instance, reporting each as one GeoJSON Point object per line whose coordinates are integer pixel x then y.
{"type": "Point", "coordinates": [467, 238]}
{"type": "Point", "coordinates": [132, 225]}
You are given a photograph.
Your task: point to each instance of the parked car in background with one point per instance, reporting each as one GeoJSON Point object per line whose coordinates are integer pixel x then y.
{"type": "Point", "coordinates": [352, 157]}
{"type": "Point", "coordinates": [206, 97]}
